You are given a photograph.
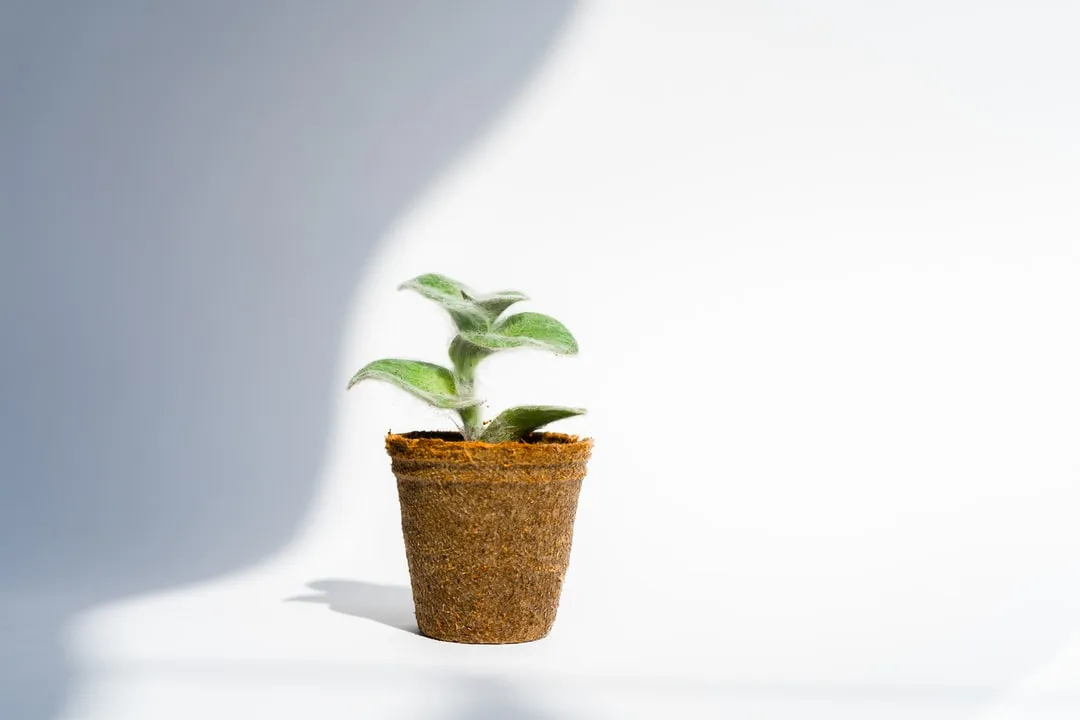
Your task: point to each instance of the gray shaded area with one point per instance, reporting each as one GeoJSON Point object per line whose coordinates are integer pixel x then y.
{"type": "Point", "coordinates": [188, 192]}
{"type": "Point", "coordinates": [390, 605]}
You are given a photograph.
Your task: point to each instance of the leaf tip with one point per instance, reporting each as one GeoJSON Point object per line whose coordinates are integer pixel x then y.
{"type": "Point", "coordinates": [568, 347]}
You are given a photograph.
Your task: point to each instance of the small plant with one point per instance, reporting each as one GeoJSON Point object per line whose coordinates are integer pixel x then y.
{"type": "Point", "coordinates": [481, 331]}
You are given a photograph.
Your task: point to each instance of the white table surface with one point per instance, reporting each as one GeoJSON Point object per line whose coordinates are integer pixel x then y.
{"type": "Point", "coordinates": [827, 306]}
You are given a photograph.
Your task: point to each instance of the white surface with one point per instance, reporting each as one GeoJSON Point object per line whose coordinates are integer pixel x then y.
{"type": "Point", "coordinates": [833, 279]}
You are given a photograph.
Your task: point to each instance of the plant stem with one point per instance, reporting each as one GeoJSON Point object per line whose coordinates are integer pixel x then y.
{"type": "Point", "coordinates": [465, 363]}
{"type": "Point", "coordinates": [473, 424]}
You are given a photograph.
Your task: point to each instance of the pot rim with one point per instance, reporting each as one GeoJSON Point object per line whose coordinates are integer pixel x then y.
{"type": "Point", "coordinates": [542, 448]}
{"type": "Point", "coordinates": [453, 437]}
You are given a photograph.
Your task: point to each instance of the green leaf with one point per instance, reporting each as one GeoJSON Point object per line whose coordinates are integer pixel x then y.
{"type": "Point", "coordinates": [527, 329]}
{"type": "Point", "coordinates": [516, 423]}
{"type": "Point", "coordinates": [431, 383]}
{"type": "Point", "coordinates": [465, 356]}
{"type": "Point", "coordinates": [494, 304]}
{"type": "Point", "coordinates": [470, 310]}
{"type": "Point", "coordinates": [456, 299]}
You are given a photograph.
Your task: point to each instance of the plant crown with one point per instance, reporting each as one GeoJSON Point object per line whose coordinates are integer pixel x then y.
{"type": "Point", "coordinates": [482, 329]}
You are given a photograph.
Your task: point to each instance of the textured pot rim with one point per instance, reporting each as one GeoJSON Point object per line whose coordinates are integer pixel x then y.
{"type": "Point", "coordinates": [545, 448]}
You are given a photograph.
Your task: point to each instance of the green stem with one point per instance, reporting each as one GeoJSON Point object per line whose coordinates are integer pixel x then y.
{"type": "Point", "coordinates": [465, 363]}
{"type": "Point", "coordinates": [472, 422]}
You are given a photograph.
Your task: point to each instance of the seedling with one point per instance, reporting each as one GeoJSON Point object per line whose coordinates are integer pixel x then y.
{"type": "Point", "coordinates": [481, 331]}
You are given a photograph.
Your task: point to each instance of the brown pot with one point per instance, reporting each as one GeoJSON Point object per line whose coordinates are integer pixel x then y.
{"type": "Point", "coordinates": [487, 531]}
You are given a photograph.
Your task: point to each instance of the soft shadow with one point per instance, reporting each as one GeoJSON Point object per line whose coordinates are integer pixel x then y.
{"type": "Point", "coordinates": [486, 697]}
{"type": "Point", "coordinates": [189, 193]}
{"type": "Point", "coordinates": [387, 604]}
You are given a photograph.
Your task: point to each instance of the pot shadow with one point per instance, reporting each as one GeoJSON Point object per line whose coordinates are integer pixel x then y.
{"type": "Point", "coordinates": [387, 604]}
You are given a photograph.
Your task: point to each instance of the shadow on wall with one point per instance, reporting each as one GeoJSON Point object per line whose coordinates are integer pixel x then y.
{"type": "Point", "coordinates": [187, 195]}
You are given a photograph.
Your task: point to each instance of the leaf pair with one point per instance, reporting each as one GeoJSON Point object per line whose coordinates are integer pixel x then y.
{"type": "Point", "coordinates": [470, 310]}
{"type": "Point", "coordinates": [435, 385]}
{"type": "Point", "coordinates": [477, 317]}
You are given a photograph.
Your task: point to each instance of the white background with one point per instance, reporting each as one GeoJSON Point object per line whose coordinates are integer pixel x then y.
{"type": "Point", "coordinates": [823, 266]}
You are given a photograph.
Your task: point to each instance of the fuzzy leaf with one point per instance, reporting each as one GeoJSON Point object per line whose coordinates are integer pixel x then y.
{"type": "Point", "coordinates": [431, 383]}
{"type": "Point", "coordinates": [516, 423]}
{"type": "Point", "coordinates": [493, 304]}
{"type": "Point", "coordinates": [455, 298]}
{"type": "Point", "coordinates": [465, 356]}
{"type": "Point", "coordinates": [527, 329]}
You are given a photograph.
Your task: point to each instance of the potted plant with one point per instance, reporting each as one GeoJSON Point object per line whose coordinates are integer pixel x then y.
{"type": "Point", "coordinates": [487, 512]}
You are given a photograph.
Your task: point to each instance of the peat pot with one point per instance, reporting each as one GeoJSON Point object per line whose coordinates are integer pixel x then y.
{"type": "Point", "coordinates": [487, 530]}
